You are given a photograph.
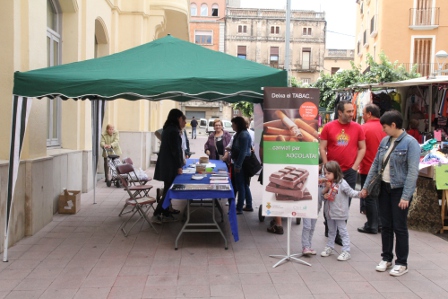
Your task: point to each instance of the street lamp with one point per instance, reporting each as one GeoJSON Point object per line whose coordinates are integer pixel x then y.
{"type": "Point", "coordinates": [441, 57]}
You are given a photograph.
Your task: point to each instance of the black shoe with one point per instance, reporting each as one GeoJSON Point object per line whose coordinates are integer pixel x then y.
{"type": "Point", "coordinates": [338, 240]}
{"type": "Point", "coordinates": [275, 229]}
{"type": "Point", "coordinates": [366, 230]}
{"type": "Point", "coordinates": [247, 209]}
{"type": "Point", "coordinates": [239, 212]}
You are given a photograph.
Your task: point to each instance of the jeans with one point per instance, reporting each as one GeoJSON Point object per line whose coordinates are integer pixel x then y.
{"type": "Point", "coordinates": [394, 221]}
{"type": "Point", "coordinates": [242, 187]}
{"type": "Point", "coordinates": [308, 231]}
{"type": "Point", "coordinates": [371, 208]}
{"type": "Point", "coordinates": [193, 132]}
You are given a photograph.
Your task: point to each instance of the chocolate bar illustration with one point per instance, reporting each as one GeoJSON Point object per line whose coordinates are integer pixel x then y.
{"type": "Point", "coordinates": [306, 195]}
{"type": "Point", "coordinates": [274, 188]}
{"type": "Point", "coordinates": [289, 177]}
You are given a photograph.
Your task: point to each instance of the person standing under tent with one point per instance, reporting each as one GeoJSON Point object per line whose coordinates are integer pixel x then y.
{"type": "Point", "coordinates": [171, 158]}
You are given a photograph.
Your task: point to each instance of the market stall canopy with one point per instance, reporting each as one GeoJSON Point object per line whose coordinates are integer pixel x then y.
{"type": "Point", "coordinates": [405, 83]}
{"type": "Point", "coordinates": [167, 68]}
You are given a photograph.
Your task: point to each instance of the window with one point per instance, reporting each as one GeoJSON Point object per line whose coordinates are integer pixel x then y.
{"type": "Point", "coordinates": [373, 31]}
{"type": "Point", "coordinates": [306, 57]}
{"type": "Point", "coordinates": [53, 58]}
{"type": "Point", "coordinates": [306, 80]}
{"type": "Point", "coordinates": [364, 38]}
{"type": "Point", "coordinates": [204, 10]}
{"type": "Point", "coordinates": [203, 37]}
{"type": "Point", "coordinates": [215, 10]}
{"type": "Point", "coordinates": [275, 29]}
{"type": "Point", "coordinates": [193, 10]}
{"type": "Point", "coordinates": [273, 58]}
{"type": "Point", "coordinates": [306, 31]}
{"type": "Point", "coordinates": [334, 70]}
{"type": "Point", "coordinates": [358, 47]}
{"type": "Point", "coordinates": [242, 29]}
{"type": "Point", "coordinates": [422, 55]}
{"type": "Point", "coordinates": [241, 52]}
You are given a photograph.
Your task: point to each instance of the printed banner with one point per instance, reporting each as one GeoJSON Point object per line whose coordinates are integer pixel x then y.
{"type": "Point", "coordinates": [290, 152]}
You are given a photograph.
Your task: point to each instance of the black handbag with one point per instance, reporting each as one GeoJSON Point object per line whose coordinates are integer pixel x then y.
{"type": "Point", "coordinates": [251, 165]}
{"type": "Point", "coordinates": [374, 187]}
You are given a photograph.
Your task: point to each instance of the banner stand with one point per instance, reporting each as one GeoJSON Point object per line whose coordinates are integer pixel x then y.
{"type": "Point", "coordinates": [288, 256]}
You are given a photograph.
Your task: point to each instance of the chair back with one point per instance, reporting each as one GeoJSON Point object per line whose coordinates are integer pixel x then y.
{"type": "Point", "coordinates": [128, 161]}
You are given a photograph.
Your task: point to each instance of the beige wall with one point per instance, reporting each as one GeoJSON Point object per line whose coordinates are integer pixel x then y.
{"type": "Point", "coordinates": [396, 30]}
{"type": "Point", "coordinates": [338, 58]}
{"type": "Point", "coordinates": [118, 25]}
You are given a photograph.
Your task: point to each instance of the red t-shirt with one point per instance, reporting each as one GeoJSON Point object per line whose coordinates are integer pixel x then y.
{"type": "Point", "coordinates": [416, 134]}
{"type": "Point", "coordinates": [373, 130]}
{"type": "Point", "coordinates": [342, 142]}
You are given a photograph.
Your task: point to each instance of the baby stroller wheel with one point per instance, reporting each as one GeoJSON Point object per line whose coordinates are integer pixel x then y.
{"type": "Point", "coordinates": [260, 214]}
{"type": "Point", "coordinates": [298, 221]}
{"type": "Point", "coordinates": [117, 183]}
{"type": "Point", "coordinates": [108, 183]}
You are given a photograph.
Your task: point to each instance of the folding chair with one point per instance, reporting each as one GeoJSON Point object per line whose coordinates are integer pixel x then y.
{"type": "Point", "coordinates": [138, 199]}
{"type": "Point", "coordinates": [135, 179]}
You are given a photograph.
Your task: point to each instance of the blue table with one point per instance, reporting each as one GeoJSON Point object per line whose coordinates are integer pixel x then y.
{"type": "Point", "coordinates": [204, 194]}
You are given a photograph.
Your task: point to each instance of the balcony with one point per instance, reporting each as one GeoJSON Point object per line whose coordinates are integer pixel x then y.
{"type": "Point", "coordinates": [424, 19]}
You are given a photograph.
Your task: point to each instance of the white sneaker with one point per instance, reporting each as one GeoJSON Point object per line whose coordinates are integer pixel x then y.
{"type": "Point", "coordinates": [327, 251]}
{"type": "Point", "coordinates": [398, 270]}
{"type": "Point", "coordinates": [383, 266]}
{"type": "Point", "coordinates": [344, 256]}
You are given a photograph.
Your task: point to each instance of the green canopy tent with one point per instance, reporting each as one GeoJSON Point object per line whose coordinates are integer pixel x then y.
{"type": "Point", "coordinates": [167, 68]}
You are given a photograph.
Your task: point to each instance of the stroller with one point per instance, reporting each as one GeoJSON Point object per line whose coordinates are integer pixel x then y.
{"type": "Point", "coordinates": [113, 161]}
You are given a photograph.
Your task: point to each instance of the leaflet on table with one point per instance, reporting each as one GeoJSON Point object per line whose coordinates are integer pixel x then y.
{"type": "Point", "coordinates": [290, 152]}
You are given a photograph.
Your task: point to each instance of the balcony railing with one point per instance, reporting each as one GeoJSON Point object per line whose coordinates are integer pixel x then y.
{"type": "Point", "coordinates": [427, 17]}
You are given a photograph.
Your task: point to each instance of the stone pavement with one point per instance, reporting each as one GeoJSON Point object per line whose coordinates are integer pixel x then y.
{"type": "Point", "coordinates": [86, 256]}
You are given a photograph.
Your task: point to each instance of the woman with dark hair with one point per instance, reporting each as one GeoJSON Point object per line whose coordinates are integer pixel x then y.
{"type": "Point", "coordinates": [170, 160]}
{"type": "Point", "coordinates": [399, 176]}
{"type": "Point", "coordinates": [241, 148]}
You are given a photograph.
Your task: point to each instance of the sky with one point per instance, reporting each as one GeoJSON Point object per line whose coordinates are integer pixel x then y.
{"type": "Point", "coordinates": [339, 14]}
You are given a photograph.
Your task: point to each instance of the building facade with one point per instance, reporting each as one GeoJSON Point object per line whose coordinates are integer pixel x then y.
{"type": "Point", "coordinates": [57, 147]}
{"type": "Point", "coordinates": [408, 31]}
{"type": "Point", "coordinates": [337, 59]}
{"type": "Point", "coordinates": [259, 35]}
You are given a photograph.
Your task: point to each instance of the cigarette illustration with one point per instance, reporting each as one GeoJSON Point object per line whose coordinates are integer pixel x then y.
{"type": "Point", "coordinates": [292, 127]}
{"type": "Point", "coordinates": [287, 129]}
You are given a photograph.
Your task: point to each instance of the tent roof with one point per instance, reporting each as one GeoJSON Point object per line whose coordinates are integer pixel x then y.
{"type": "Point", "coordinates": [405, 83]}
{"type": "Point", "coordinates": [167, 68]}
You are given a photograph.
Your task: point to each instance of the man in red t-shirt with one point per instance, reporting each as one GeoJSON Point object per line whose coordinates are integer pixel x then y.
{"type": "Point", "coordinates": [343, 141]}
{"type": "Point", "coordinates": [373, 130]}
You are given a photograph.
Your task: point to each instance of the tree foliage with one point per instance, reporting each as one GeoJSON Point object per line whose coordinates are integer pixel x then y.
{"type": "Point", "coordinates": [246, 108]}
{"type": "Point", "coordinates": [382, 71]}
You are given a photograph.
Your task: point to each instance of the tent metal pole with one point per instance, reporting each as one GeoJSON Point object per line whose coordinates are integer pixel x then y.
{"type": "Point", "coordinates": [430, 108]}
{"type": "Point", "coordinates": [287, 41]}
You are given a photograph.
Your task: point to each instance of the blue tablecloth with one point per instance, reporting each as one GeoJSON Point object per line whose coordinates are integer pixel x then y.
{"type": "Point", "coordinates": [201, 194]}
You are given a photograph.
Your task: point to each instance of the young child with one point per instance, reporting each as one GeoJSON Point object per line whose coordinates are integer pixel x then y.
{"type": "Point", "coordinates": [336, 208]}
{"type": "Point", "coordinates": [308, 223]}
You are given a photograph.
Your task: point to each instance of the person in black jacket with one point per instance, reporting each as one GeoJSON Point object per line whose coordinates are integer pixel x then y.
{"type": "Point", "coordinates": [170, 160]}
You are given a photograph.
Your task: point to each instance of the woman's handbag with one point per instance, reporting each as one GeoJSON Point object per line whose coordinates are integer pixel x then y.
{"type": "Point", "coordinates": [374, 187]}
{"type": "Point", "coordinates": [251, 165]}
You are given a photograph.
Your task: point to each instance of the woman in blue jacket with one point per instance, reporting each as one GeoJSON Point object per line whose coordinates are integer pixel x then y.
{"type": "Point", "coordinates": [397, 186]}
{"type": "Point", "coordinates": [241, 148]}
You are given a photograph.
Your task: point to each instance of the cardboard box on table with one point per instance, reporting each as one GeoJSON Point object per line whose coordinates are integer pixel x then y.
{"type": "Point", "coordinates": [69, 202]}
